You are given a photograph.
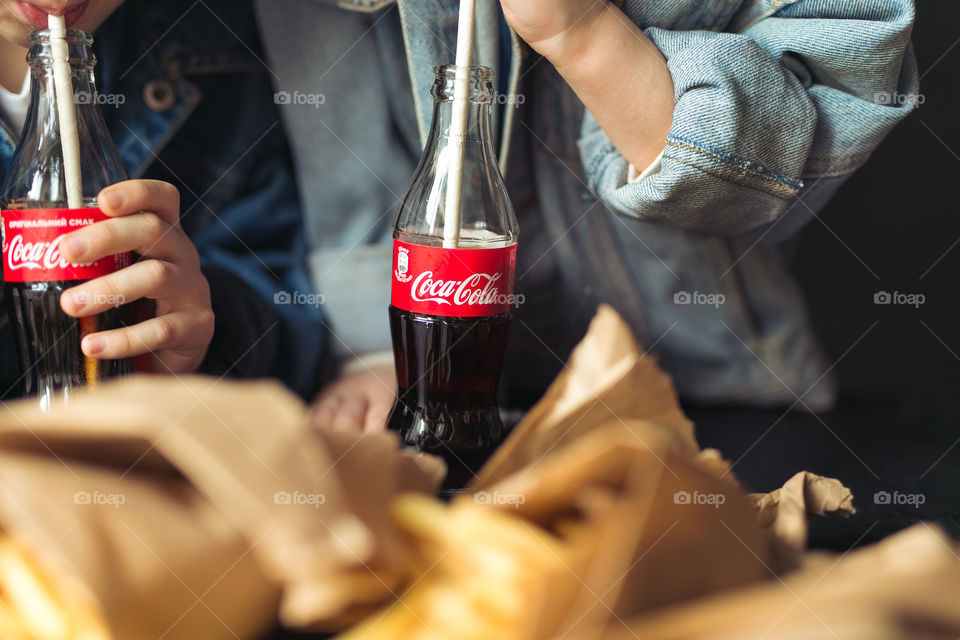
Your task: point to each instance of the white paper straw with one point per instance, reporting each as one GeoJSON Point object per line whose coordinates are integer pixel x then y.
{"type": "Point", "coordinates": [70, 145]}
{"type": "Point", "coordinates": [458, 126]}
{"type": "Point", "coordinates": [69, 141]}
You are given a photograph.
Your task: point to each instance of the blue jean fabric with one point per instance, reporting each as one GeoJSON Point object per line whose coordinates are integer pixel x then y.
{"type": "Point", "coordinates": [778, 103]}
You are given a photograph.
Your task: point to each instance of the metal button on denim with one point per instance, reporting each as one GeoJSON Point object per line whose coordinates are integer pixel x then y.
{"type": "Point", "coordinates": [159, 95]}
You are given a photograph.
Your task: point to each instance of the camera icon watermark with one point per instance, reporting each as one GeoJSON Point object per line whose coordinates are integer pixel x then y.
{"type": "Point", "coordinates": [697, 498]}
{"type": "Point", "coordinates": [897, 99]}
{"type": "Point", "coordinates": [99, 498]}
{"type": "Point", "coordinates": [299, 498]}
{"type": "Point", "coordinates": [298, 297]}
{"type": "Point", "coordinates": [914, 300]}
{"type": "Point", "coordinates": [902, 499]}
{"type": "Point", "coordinates": [499, 499]}
{"type": "Point", "coordinates": [315, 100]}
{"type": "Point", "coordinates": [115, 100]}
{"type": "Point", "coordinates": [709, 299]}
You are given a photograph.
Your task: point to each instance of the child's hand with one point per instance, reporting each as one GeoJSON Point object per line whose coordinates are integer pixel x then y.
{"type": "Point", "coordinates": [357, 401]}
{"type": "Point", "coordinates": [550, 26]}
{"type": "Point", "coordinates": [146, 219]}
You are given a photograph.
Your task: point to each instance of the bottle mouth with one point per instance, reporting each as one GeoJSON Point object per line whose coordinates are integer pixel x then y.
{"type": "Point", "coordinates": [74, 36]}
{"type": "Point", "coordinates": [481, 83]}
{"type": "Point", "coordinates": [79, 46]}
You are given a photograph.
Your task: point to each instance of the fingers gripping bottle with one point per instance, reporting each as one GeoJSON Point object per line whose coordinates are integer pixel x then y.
{"type": "Point", "coordinates": [449, 312]}
{"type": "Point", "coordinates": [37, 215]}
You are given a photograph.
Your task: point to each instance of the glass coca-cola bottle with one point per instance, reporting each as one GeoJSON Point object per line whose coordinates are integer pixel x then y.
{"type": "Point", "coordinates": [449, 312]}
{"type": "Point", "coordinates": [36, 216]}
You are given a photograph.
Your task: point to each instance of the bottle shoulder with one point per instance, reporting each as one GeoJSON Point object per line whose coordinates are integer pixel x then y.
{"type": "Point", "coordinates": [469, 239]}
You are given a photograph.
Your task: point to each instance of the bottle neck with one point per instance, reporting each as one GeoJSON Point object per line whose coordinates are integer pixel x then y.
{"type": "Point", "coordinates": [477, 141]}
{"type": "Point", "coordinates": [36, 178]}
{"type": "Point", "coordinates": [42, 118]}
{"type": "Point", "coordinates": [486, 217]}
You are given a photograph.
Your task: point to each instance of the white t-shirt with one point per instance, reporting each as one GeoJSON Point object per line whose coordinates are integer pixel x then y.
{"type": "Point", "coordinates": [14, 106]}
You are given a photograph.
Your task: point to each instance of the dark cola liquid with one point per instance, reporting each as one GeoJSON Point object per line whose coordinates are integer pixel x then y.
{"type": "Point", "coordinates": [48, 340]}
{"type": "Point", "coordinates": [448, 370]}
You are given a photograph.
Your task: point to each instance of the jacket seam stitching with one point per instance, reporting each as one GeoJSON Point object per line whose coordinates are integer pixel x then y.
{"type": "Point", "coordinates": [726, 179]}
{"type": "Point", "coordinates": [763, 172]}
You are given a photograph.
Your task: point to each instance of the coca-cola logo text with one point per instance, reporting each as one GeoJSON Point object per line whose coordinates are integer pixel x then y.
{"type": "Point", "coordinates": [32, 242]}
{"type": "Point", "coordinates": [37, 255]}
{"type": "Point", "coordinates": [457, 282]}
{"type": "Point", "coordinates": [457, 292]}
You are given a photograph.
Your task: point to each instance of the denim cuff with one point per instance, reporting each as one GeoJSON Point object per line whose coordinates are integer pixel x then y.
{"type": "Point", "coordinates": [763, 112]}
{"type": "Point", "coordinates": [741, 133]}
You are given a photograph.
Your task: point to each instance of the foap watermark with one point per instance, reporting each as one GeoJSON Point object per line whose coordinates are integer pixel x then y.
{"type": "Point", "coordinates": [315, 100]}
{"type": "Point", "coordinates": [298, 297]}
{"type": "Point", "coordinates": [509, 299]}
{"type": "Point", "coordinates": [896, 498]}
{"type": "Point", "coordinates": [711, 499]}
{"type": "Point", "coordinates": [909, 299]}
{"type": "Point", "coordinates": [510, 99]}
{"type": "Point", "coordinates": [99, 498]}
{"type": "Point", "coordinates": [115, 100]}
{"type": "Point", "coordinates": [897, 99]}
{"type": "Point", "coordinates": [710, 299]}
{"type": "Point", "coordinates": [299, 498]}
{"type": "Point", "coordinates": [499, 498]}
{"type": "Point", "coordinates": [97, 298]}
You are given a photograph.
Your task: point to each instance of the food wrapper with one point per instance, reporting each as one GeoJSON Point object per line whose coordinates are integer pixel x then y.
{"type": "Point", "coordinates": [122, 557]}
{"type": "Point", "coordinates": [600, 517]}
{"type": "Point", "coordinates": [186, 508]}
{"type": "Point", "coordinates": [607, 380]}
{"type": "Point", "coordinates": [786, 512]}
{"type": "Point", "coordinates": [902, 588]}
{"type": "Point", "coordinates": [201, 509]}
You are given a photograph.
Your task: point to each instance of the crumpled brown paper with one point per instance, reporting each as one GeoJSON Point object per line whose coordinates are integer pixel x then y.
{"type": "Point", "coordinates": [785, 513]}
{"type": "Point", "coordinates": [600, 517]}
{"type": "Point", "coordinates": [610, 430]}
{"type": "Point", "coordinates": [189, 507]}
{"type": "Point", "coordinates": [903, 588]}
{"type": "Point", "coordinates": [147, 558]}
{"type": "Point", "coordinates": [608, 379]}
{"type": "Point", "coordinates": [600, 503]}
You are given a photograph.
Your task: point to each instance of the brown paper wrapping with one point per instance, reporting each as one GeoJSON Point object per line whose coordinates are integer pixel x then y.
{"type": "Point", "coordinates": [607, 521]}
{"type": "Point", "coordinates": [600, 517]}
{"type": "Point", "coordinates": [905, 588]}
{"type": "Point", "coordinates": [785, 513]}
{"type": "Point", "coordinates": [219, 481]}
{"type": "Point", "coordinates": [164, 545]}
{"type": "Point", "coordinates": [608, 380]}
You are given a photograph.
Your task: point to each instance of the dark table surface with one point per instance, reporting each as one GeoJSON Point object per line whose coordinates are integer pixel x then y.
{"type": "Point", "coordinates": [875, 447]}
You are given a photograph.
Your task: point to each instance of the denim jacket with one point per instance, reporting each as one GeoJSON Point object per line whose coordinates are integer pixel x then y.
{"type": "Point", "coordinates": [194, 106]}
{"type": "Point", "coordinates": [778, 103]}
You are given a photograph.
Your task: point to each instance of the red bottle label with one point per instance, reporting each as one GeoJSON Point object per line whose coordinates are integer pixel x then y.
{"type": "Point", "coordinates": [463, 283]}
{"type": "Point", "coordinates": [31, 246]}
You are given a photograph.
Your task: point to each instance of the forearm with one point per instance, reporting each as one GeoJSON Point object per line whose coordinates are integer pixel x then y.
{"type": "Point", "coordinates": [621, 78]}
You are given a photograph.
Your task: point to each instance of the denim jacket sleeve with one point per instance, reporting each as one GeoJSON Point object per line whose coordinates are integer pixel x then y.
{"type": "Point", "coordinates": [775, 109]}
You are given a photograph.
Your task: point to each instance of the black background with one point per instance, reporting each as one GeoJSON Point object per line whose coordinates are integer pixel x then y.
{"type": "Point", "coordinates": [899, 216]}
